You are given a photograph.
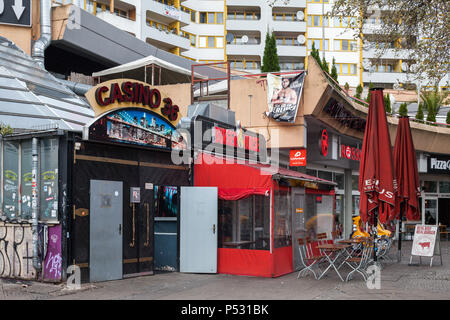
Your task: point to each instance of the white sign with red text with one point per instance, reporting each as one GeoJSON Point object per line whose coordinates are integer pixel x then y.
{"type": "Point", "coordinates": [424, 241]}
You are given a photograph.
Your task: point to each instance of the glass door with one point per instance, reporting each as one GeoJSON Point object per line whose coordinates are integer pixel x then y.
{"type": "Point", "coordinates": [430, 210]}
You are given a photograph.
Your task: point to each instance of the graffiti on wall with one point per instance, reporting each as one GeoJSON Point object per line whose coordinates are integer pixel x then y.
{"type": "Point", "coordinates": [16, 252]}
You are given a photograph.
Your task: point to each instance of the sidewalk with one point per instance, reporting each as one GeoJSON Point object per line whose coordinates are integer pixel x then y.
{"type": "Point", "coordinates": [398, 281]}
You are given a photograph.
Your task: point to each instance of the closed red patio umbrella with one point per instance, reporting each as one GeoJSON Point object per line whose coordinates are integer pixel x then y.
{"type": "Point", "coordinates": [376, 170]}
{"type": "Point", "coordinates": [407, 176]}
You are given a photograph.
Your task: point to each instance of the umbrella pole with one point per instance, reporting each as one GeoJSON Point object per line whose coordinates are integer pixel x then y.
{"type": "Point", "coordinates": [375, 218]}
{"type": "Point", "coordinates": [399, 256]}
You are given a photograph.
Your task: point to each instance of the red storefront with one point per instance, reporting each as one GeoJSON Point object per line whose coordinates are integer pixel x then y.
{"type": "Point", "coordinates": [263, 210]}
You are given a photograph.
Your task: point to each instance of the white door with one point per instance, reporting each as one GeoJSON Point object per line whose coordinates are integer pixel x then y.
{"type": "Point", "coordinates": [198, 229]}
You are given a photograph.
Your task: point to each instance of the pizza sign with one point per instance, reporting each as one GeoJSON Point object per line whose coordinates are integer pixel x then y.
{"type": "Point", "coordinates": [424, 241]}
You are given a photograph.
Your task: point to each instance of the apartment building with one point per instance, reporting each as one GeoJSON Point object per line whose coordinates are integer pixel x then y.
{"type": "Point", "coordinates": [235, 30]}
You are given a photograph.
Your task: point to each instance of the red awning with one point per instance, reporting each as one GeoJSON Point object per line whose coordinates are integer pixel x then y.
{"type": "Point", "coordinates": [237, 179]}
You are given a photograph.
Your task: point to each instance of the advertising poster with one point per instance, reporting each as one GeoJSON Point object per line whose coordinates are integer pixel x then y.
{"type": "Point", "coordinates": [424, 241]}
{"type": "Point", "coordinates": [137, 126]}
{"type": "Point", "coordinates": [283, 96]}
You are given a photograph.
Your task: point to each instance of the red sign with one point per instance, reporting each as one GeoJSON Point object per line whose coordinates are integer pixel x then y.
{"type": "Point", "coordinates": [297, 158]}
{"type": "Point", "coordinates": [324, 142]}
{"type": "Point", "coordinates": [350, 153]}
{"type": "Point", "coordinates": [232, 138]}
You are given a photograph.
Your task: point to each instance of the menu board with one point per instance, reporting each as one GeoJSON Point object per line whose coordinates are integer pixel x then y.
{"type": "Point", "coordinates": [424, 241]}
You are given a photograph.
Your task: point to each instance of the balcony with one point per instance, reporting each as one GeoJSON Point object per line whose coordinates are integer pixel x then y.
{"type": "Point", "coordinates": [385, 77]}
{"type": "Point", "coordinates": [154, 10]}
{"type": "Point", "coordinates": [289, 26]}
{"type": "Point", "coordinates": [374, 53]}
{"type": "Point", "coordinates": [122, 23]}
{"type": "Point", "coordinates": [164, 38]}
{"type": "Point", "coordinates": [244, 49]}
{"type": "Point", "coordinates": [291, 51]}
{"type": "Point", "coordinates": [243, 25]}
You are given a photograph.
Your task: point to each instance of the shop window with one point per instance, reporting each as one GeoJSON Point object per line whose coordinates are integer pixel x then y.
{"type": "Point", "coordinates": [244, 224]}
{"type": "Point", "coordinates": [430, 186]}
{"type": "Point", "coordinates": [339, 179]}
{"type": "Point", "coordinates": [325, 175]}
{"type": "Point", "coordinates": [282, 219]}
{"type": "Point", "coordinates": [166, 201]}
{"type": "Point", "coordinates": [311, 172]}
{"type": "Point", "coordinates": [11, 179]}
{"type": "Point", "coordinates": [355, 207]}
{"type": "Point", "coordinates": [444, 186]}
{"type": "Point", "coordinates": [25, 190]}
{"type": "Point", "coordinates": [355, 182]}
{"type": "Point", "coordinates": [48, 179]}
{"type": "Point", "coordinates": [339, 216]}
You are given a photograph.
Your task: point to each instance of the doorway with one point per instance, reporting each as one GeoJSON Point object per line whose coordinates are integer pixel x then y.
{"type": "Point", "coordinates": [430, 210]}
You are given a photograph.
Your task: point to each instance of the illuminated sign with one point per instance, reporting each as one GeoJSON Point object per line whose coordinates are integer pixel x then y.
{"type": "Point", "coordinates": [324, 142]}
{"type": "Point", "coordinates": [233, 138]}
{"type": "Point", "coordinates": [128, 93]}
{"type": "Point", "coordinates": [297, 158]}
{"type": "Point", "coordinates": [350, 153]}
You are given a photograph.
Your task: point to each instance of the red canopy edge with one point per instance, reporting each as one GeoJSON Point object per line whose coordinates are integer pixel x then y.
{"type": "Point", "coordinates": [238, 179]}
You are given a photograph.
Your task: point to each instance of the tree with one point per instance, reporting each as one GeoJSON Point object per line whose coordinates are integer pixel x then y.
{"type": "Point", "coordinates": [368, 92]}
{"type": "Point", "coordinates": [359, 91]}
{"type": "Point", "coordinates": [346, 85]}
{"type": "Point", "coordinates": [325, 65]}
{"type": "Point", "coordinates": [334, 73]}
{"type": "Point", "coordinates": [5, 129]}
{"type": "Point", "coordinates": [315, 54]}
{"type": "Point", "coordinates": [402, 21]}
{"type": "Point", "coordinates": [271, 62]}
{"type": "Point", "coordinates": [432, 101]}
{"type": "Point", "coordinates": [387, 103]}
{"type": "Point", "coordinates": [403, 110]}
{"type": "Point", "coordinates": [419, 114]}
{"type": "Point", "coordinates": [448, 118]}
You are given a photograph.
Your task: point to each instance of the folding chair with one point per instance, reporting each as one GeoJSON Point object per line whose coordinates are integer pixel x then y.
{"type": "Point", "coordinates": [383, 246]}
{"type": "Point", "coordinates": [359, 264]}
{"type": "Point", "coordinates": [307, 258]}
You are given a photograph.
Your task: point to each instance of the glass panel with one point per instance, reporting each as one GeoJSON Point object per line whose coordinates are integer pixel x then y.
{"type": "Point", "coordinates": [326, 45]}
{"type": "Point", "coordinates": [211, 42]}
{"type": "Point", "coordinates": [345, 45]}
{"type": "Point", "coordinates": [202, 42]}
{"type": "Point", "coordinates": [26, 164]}
{"type": "Point", "coordinates": [219, 42]}
{"type": "Point", "coordinates": [202, 17]}
{"type": "Point", "coordinates": [192, 40]}
{"type": "Point", "coordinates": [339, 216]}
{"type": "Point", "coordinates": [353, 68]}
{"type": "Point", "coordinates": [166, 201]}
{"type": "Point", "coordinates": [355, 207]}
{"type": "Point", "coordinates": [430, 211]}
{"type": "Point", "coordinates": [211, 18]}
{"type": "Point", "coordinates": [245, 219]}
{"type": "Point", "coordinates": [49, 179]}
{"type": "Point", "coordinates": [325, 21]}
{"type": "Point", "coordinates": [262, 222]}
{"type": "Point", "coordinates": [11, 179]}
{"type": "Point", "coordinates": [444, 186]}
{"type": "Point", "coordinates": [430, 186]}
{"type": "Point", "coordinates": [337, 21]}
{"type": "Point", "coordinates": [353, 45]}
{"type": "Point", "coordinates": [193, 16]}
{"type": "Point", "coordinates": [355, 182]}
{"type": "Point", "coordinates": [309, 21]}
{"type": "Point", "coordinates": [345, 68]}
{"type": "Point", "coordinates": [339, 179]}
{"type": "Point", "coordinates": [225, 223]}
{"type": "Point", "coordinates": [240, 16]}
{"type": "Point", "coordinates": [311, 172]}
{"type": "Point", "coordinates": [219, 17]}
{"type": "Point", "coordinates": [316, 21]}
{"type": "Point", "coordinates": [282, 219]}
{"type": "Point", "coordinates": [325, 218]}
{"type": "Point", "coordinates": [337, 45]}
{"type": "Point", "coordinates": [325, 175]}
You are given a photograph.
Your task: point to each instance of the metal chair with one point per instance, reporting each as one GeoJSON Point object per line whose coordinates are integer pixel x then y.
{"type": "Point", "coordinates": [307, 258]}
{"type": "Point", "coordinates": [359, 264]}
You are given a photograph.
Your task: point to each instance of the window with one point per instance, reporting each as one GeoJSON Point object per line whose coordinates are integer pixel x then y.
{"type": "Point", "coordinates": [210, 42]}
{"type": "Point", "coordinates": [245, 224]}
{"type": "Point", "coordinates": [430, 186]}
{"type": "Point", "coordinates": [319, 44]}
{"type": "Point", "coordinates": [11, 179]}
{"type": "Point", "coordinates": [48, 179]}
{"type": "Point", "coordinates": [243, 15]}
{"type": "Point", "coordinates": [346, 69]}
{"type": "Point", "coordinates": [345, 45]}
{"type": "Point", "coordinates": [344, 22]}
{"type": "Point", "coordinates": [318, 1]}
{"type": "Point", "coordinates": [211, 17]}
{"type": "Point", "coordinates": [317, 21]}
{"type": "Point", "coordinates": [444, 186]}
{"type": "Point", "coordinates": [284, 16]}
{"type": "Point", "coordinates": [282, 218]}
{"type": "Point", "coordinates": [26, 192]}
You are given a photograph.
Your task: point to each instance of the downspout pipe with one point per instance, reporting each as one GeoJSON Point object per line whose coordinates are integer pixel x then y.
{"type": "Point", "coordinates": [38, 52]}
{"type": "Point", "coordinates": [34, 204]}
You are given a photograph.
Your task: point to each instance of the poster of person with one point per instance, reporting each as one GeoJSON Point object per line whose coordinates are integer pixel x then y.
{"type": "Point", "coordinates": [137, 126]}
{"type": "Point", "coordinates": [283, 96]}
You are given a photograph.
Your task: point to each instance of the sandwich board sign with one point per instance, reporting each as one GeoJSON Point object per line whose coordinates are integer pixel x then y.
{"type": "Point", "coordinates": [424, 242]}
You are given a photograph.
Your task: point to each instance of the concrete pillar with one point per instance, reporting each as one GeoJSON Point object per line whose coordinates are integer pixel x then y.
{"type": "Point", "coordinates": [348, 203]}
